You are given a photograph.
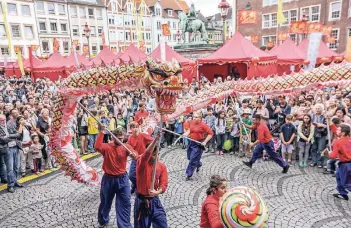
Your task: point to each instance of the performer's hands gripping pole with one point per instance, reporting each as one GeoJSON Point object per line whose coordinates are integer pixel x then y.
{"type": "Point", "coordinates": [131, 153]}
{"type": "Point", "coordinates": [157, 155]}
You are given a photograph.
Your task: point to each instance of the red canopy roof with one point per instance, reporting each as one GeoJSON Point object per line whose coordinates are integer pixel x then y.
{"type": "Point", "coordinates": [288, 53]}
{"type": "Point", "coordinates": [105, 55]}
{"type": "Point", "coordinates": [81, 59]}
{"type": "Point", "coordinates": [134, 54]}
{"type": "Point", "coordinates": [238, 49]}
{"type": "Point", "coordinates": [170, 55]}
{"type": "Point", "coordinates": [323, 52]}
{"type": "Point", "coordinates": [55, 62]}
{"type": "Point", "coordinates": [26, 63]}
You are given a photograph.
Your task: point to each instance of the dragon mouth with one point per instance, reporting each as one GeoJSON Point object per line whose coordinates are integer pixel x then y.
{"type": "Point", "coordinates": [166, 98]}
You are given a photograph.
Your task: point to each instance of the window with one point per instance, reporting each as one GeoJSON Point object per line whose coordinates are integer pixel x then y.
{"type": "Point", "coordinates": [111, 20]}
{"type": "Point", "coordinates": [99, 14]}
{"type": "Point", "coordinates": [290, 15]}
{"type": "Point", "coordinates": [334, 33]}
{"type": "Point", "coordinates": [266, 39]}
{"type": "Point", "coordinates": [174, 25]}
{"type": "Point", "coordinates": [169, 12]}
{"type": "Point", "coordinates": [92, 31]}
{"type": "Point", "coordinates": [65, 47]}
{"type": "Point", "coordinates": [4, 51]}
{"type": "Point", "coordinates": [63, 27]}
{"type": "Point", "coordinates": [11, 9]}
{"type": "Point", "coordinates": [73, 10]}
{"type": "Point", "coordinates": [269, 2]}
{"type": "Point", "coordinates": [42, 27]}
{"type": "Point", "coordinates": [2, 30]}
{"type": "Point", "coordinates": [51, 8]}
{"type": "Point", "coordinates": [174, 37]}
{"type": "Point", "coordinates": [158, 11]}
{"type": "Point", "coordinates": [25, 10]}
{"type": "Point", "coordinates": [53, 27]}
{"type": "Point", "coordinates": [61, 9]}
{"type": "Point", "coordinates": [101, 47]}
{"type": "Point", "coordinates": [40, 7]}
{"type": "Point", "coordinates": [75, 30]}
{"type": "Point", "coordinates": [94, 49]}
{"type": "Point", "coordinates": [312, 13]}
{"type": "Point", "coordinates": [129, 8]}
{"type": "Point", "coordinates": [349, 32]}
{"type": "Point", "coordinates": [28, 32]}
{"type": "Point", "coordinates": [15, 31]}
{"type": "Point", "coordinates": [45, 46]}
{"type": "Point", "coordinates": [158, 25]}
{"type": "Point", "coordinates": [82, 13]}
{"type": "Point", "coordinates": [293, 37]}
{"type": "Point", "coordinates": [269, 20]}
{"type": "Point", "coordinates": [273, 20]}
{"type": "Point", "coordinates": [265, 21]}
{"type": "Point", "coordinates": [335, 11]}
{"type": "Point", "coordinates": [100, 30]}
{"type": "Point", "coordinates": [112, 35]}
{"type": "Point", "coordinates": [91, 13]}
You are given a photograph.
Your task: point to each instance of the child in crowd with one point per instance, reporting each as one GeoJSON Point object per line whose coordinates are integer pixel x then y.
{"type": "Point", "coordinates": [210, 121]}
{"type": "Point", "coordinates": [35, 150]}
{"type": "Point", "coordinates": [235, 134]}
{"type": "Point", "coordinates": [93, 130]}
{"type": "Point", "coordinates": [120, 121]}
{"type": "Point", "coordinates": [220, 126]}
{"type": "Point", "coordinates": [245, 134]}
{"type": "Point", "coordinates": [277, 143]}
{"type": "Point", "coordinates": [229, 123]}
{"type": "Point", "coordinates": [105, 121]}
{"type": "Point", "coordinates": [287, 136]}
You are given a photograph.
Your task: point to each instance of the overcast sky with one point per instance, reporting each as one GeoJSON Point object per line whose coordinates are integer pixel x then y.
{"type": "Point", "coordinates": [207, 7]}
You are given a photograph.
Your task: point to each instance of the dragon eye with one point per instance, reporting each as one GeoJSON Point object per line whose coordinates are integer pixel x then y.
{"type": "Point", "coordinates": [157, 77]}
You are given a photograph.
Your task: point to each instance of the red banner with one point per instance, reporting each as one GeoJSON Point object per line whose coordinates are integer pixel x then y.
{"type": "Point", "coordinates": [165, 30]}
{"type": "Point", "coordinates": [75, 43]}
{"type": "Point", "coordinates": [103, 38]}
{"type": "Point", "coordinates": [254, 39]}
{"type": "Point", "coordinates": [282, 36]}
{"type": "Point", "coordinates": [56, 45]}
{"type": "Point", "coordinates": [326, 30]}
{"type": "Point", "coordinates": [17, 49]}
{"type": "Point", "coordinates": [246, 17]}
{"type": "Point", "coordinates": [314, 27]}
{"type": "Point", "coordinates": [270, 44]}
{"type": "Point", "coordinates": [299, 27]}
{"type": "Point", "coordinates": [34, 47]}
{"type": "Point", "coordinates": [330, 39]}
{"type": "Point", "coordinates": [85, 49]}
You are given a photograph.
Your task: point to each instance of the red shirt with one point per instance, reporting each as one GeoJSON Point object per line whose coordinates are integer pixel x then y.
{"type": "Point", "coordinates": [187, 125]}
{"type": "Point", "coordinates": [263, 134]}
{"type": "Point", "coordinates": [341, 149]}
{"type": "Point", "coordinates": [210, 217]}
{"type": "Point", "coordinates": [198, 130]}
{"type": "Point", "coordinates": [139, 116]}
{"type": "Point", "coordinates": [144, 175]}
{"type": "Point", "coordinates": [139, 142]}
{"type": "Point", "coordinates": [115, 157]}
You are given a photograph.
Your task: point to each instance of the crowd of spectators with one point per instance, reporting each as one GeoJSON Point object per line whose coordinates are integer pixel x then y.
{"type": "Point", "coordinates": [299, 123]}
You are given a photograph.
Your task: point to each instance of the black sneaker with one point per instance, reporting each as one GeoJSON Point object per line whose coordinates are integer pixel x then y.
{"type": "Point", "coordinates": [188, 179]}
{"type": "Point", "coordinates": [248, 164]}
{"type": "Point", "coordinates": [197, 169]}
{"type": "Point", "coordinates": [23, 174]}
{"type": "Point", "coordinates": [285, 169]}
{"type": "Point", "coordinates": [18, 185]}
{"type": "Point", "coordinates": [327, 172]}
{"type": "Point", "coordinates": [3, 181]}
{"type": "Point", "coordinates": [11, 190]}
{"type": "Point", "coordinates": [339, 196]}
{"type": "Point", "coordinates": [103, 226]}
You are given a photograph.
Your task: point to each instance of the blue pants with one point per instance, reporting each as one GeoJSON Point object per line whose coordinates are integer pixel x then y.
{"type": "Point", "coordinates": [132, 174]}
{"type": "Point", "coordinates": [194, 153]}
{"type": "Point", "coordinates": [269, 148]}
{"type": "Point", "coordinates": [91, 143]}
{"type": "Point", "coordinates": [317, 147]}
{"type": "Point", "coordinates": [149, 211]}
{"type": "Point", "coordinates": [13, 162]}
{"type": "Point", "coordinates": [111, 187]}
{"type": "Point", "coordinates": [343, 178]}
{"type": "Point", "coordinates": [3, 173]}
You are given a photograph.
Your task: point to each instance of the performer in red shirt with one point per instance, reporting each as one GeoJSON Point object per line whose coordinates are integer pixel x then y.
{"type": "Point", "coordinates": [197, 130]}
{"type": "Point", "coordinates": [115, 180]}
{"type": "Point", "coordinates": [264, 142]}
{"type": "Point", "coordinates": [210, 217]}
{"type": "Point", "coordinates": [141, 114]}
{"type": "Point", "coordinates": [148, 209]}
{"type": "Point", "coordinates": [139, 142]}
{"type": "Point", "coordinates": [341, 150]}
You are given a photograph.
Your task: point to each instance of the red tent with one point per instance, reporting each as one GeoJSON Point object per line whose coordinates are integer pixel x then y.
{"type": "Point", "coordinates": [288, 54]}
{"type": "Point", "coordinates": [134, 54]}
{"type": "Point", "coordinates": [81, 59]}
{"type": "Point", "coordinates": [249, 60]}
{"type": "Point", "coordinates": [106, 55]}
{"type": "Point", "coordinates": [13, 69]}
{"type": "Point", "coordinates": [54, 67]}
{"type": "Point", "coordinates": [188, 65]}
{"type": "Point", "coordinates": [323, 51]}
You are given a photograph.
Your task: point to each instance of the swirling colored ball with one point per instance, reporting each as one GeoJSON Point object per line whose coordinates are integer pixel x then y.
{"type": "Point", "coordinates": [243, 207]}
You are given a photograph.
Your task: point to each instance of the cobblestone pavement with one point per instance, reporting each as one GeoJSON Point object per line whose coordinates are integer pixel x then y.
{"type": "Point", "coordinates": [301, 198]}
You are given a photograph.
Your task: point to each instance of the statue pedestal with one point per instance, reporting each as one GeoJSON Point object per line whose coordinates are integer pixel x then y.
{"type": "Point", "coordinates": [195, 50]}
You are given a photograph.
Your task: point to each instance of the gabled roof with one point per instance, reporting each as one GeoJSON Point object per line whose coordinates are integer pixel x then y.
{"type": "Point", "coordinates": [55, 62]}
{"type": "Point", "coordinates": [323, 51]}
{"type": "Point", "coordinates": [81, 59]}
{"type": "Point", "coordinates": [134, 54]}
{"type": "Point", "coordinates": [100, 3]}
{"type": "Point", "coordinates": [106, 55]}
{"type": "Point", "coordinates": [183, 5]}
{"type": "Point", "coordinates": [288, 53]}
{"type": "Point", "coordinates": [238, 49]}
{"type": "Point", "coordinates": [170, 55]}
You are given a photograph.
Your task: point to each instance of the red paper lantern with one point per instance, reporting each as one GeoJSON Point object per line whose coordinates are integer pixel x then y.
{"type": "Point", "coordinates": [306, 62]}
{"type": "Point", "coordinates": [255, 60]}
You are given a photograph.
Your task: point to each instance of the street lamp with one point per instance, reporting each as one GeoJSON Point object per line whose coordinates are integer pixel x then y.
{"type": "Point", "coordinates": [224, 8]}
{"type": "Point", "coordinates": [87, 35]}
